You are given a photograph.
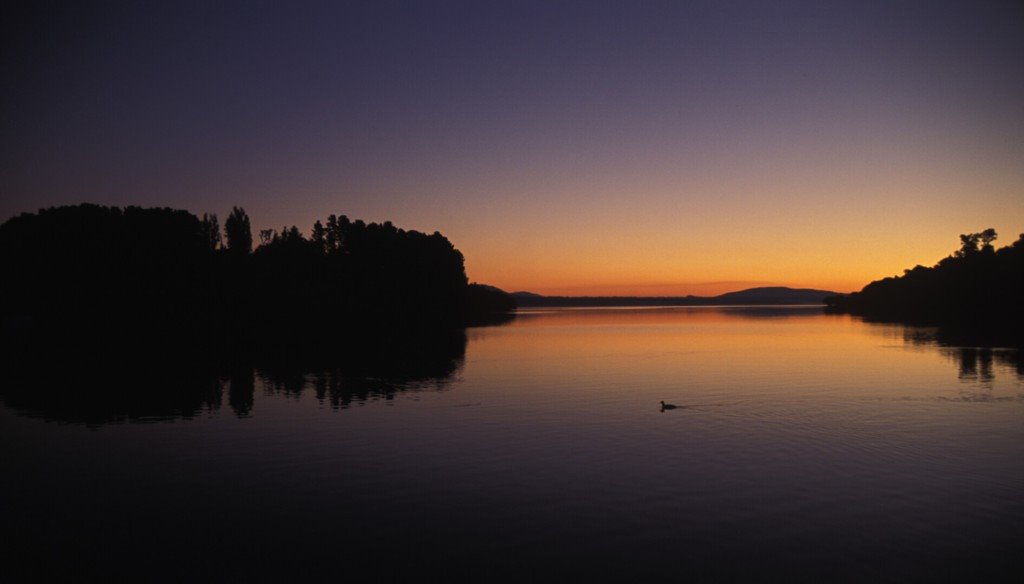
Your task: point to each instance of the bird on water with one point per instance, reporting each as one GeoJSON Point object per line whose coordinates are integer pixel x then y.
{"type": "Point", "coordinates": [665, 406]}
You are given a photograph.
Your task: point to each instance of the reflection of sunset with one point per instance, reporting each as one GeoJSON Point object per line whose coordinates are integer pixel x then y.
{"type": "Point", "coordinates": [694, 330]}
{"type": "Point", "coordinates": [712, 353]}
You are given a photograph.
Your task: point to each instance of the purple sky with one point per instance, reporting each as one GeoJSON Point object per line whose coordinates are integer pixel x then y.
{"type": "Point", "coordinates": [572, 147]}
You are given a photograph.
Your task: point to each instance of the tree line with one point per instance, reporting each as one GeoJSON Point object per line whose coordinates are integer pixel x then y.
{"type": "Point", "coordinates": [165, 278]}
{"type": "Point", "coordinates": [976, 286]}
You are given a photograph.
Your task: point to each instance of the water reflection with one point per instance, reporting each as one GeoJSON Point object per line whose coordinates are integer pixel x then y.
{"type": "Point", "coordinates": [974, 352]}
{"type": "Point", "coordinates": [242, 391]}
{"type": "Point", "coordinates": [975, 364]}
{"type": "Point", "coordinates": [100, 396]}
{"type": "Point", "coordinates": [815, 447]}
{"type": "Point", "coordinates": [637, 346]}
{"type": "Point", "coordinates": [339, 390]}
{"type": "Point", "coordinates": [977, 354]}
{"type": "Point", "coordinates": [97, 394]}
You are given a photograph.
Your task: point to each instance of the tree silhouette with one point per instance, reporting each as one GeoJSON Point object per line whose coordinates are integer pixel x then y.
{"type": "Point", "coordinates": [211, 230]}
{"type": "Point", "coordinates": [266, 236]}
{"type": "Point", "coordinates": [238, 231]}
{"type": "Point", "coordinates": [152, 280]}
{"type": "Point", "coordinates": [987, 237]}
{"type": "Point", "coordinates": [976, 286]}
{"type": "Point", "coordinates": [969, 242]}
{"type": "Point", "coordinates": [331, 237]}
{"type": "Point", "coordinates": [318, 236]}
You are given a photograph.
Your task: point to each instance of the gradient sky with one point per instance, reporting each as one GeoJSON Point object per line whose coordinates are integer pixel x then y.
{"type": "Point", "coordinates": [565, 147]}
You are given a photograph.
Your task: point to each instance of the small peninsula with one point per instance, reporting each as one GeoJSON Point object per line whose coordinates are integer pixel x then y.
{"type": "Point", "coordinates": [977, 286]}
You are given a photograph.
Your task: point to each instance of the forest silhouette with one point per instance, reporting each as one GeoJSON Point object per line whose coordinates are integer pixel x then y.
{"type": "Point", "coordinates": [976, 287]}
{"type": "Point", "coordinates": [104, 283]}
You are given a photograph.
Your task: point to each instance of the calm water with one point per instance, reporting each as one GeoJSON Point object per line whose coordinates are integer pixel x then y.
{"type": "Point", "coordinates": [805, 445]}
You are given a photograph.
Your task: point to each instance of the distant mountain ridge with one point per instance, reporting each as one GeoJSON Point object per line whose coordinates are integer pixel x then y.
{"type": "Point", "coordinates": [768, 295]}
{"type": "Point", "coordinates": [777, 295]}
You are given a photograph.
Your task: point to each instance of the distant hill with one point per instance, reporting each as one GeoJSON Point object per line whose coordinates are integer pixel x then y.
{"type": "Point", "coordinates": [774, 295]}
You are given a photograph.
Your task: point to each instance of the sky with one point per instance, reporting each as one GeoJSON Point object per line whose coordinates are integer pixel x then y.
{"type": "Point", "coordinates": [631, 148]}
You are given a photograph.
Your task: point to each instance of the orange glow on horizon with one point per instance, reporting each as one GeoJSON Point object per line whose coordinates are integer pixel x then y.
{"type": "Point", "coordinates": [667, 290]}
{"type": "Point", "coordinates": [721, 230]}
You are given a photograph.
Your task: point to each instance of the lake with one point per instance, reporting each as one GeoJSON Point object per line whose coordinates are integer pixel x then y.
{"type": "Point", "coordinates": [804, 445]}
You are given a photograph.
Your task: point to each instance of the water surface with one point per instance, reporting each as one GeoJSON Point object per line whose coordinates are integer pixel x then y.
{"type": "Point", "coordinates": [804, 445]}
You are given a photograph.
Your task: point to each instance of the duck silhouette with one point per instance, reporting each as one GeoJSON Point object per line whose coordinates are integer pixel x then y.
{"type": "Point", "coordinates": [665, 406]}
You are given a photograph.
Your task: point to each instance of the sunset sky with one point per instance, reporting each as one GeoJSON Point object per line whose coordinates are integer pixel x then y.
{"type": "Point", "coordinates": [640, 148]}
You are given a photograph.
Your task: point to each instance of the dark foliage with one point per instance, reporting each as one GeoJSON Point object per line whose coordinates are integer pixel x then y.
{"type": "Point", "coordinates": [977, 287]}
{"type": "Point", "coordinates": [211, 230]}
{"type": "Point", "coordinates": [358, 274]}
{"type": "Point", "coordinates": [489, 305]}
{"type": "Point", "coordinates": [115, 283]}
{"type": "Point", "coordinates": [238, 231]}
{"type": "Point", "coordinates": [91, 273]}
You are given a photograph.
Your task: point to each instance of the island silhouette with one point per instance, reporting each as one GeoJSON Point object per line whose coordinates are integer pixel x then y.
{"type": "Point", "coordinates": [93, 283]}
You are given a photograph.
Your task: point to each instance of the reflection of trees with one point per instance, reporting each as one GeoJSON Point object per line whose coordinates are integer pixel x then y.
{"type": "Point", "coordinates": [374, 368]}
{"type": "Point", "coordinates": [975, 363]}
{"type": "Point", "coordinates": [340, 390]}
{"type": "Point", "coordinates": [979, 363]}
{"type": "Point", "coordinates": [242, 391]}
{"type": "Point", "coordinates": [977, 367]}
{"type": "Point", "coordinates": [98, 396]}
{"type": "Point", "coordinates": [975, 352]}
{"type": "Point", "coordinates": [361, 370]}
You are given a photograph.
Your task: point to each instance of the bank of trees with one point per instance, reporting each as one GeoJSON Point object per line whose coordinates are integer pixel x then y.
{"type": "Point", "coordinates": [977, 285]}
{"type": "Point", "coordinates": [165, 276]}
